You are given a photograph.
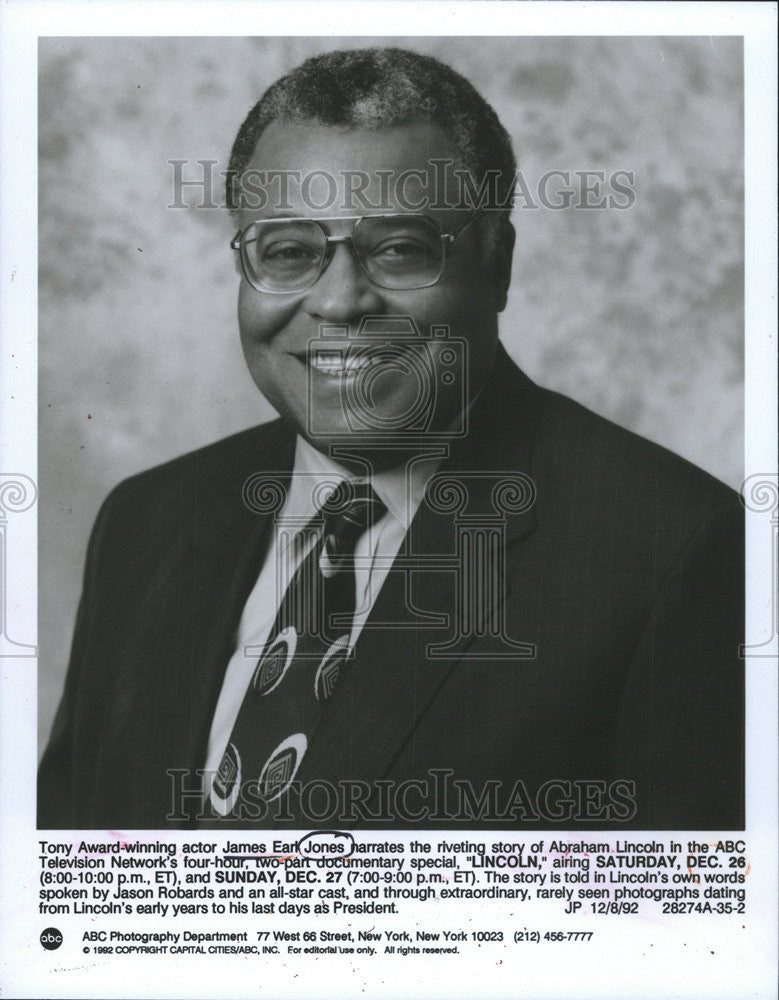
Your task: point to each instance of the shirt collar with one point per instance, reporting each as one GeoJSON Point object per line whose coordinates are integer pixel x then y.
{"type": "Point", "coordinates": [400, 489]}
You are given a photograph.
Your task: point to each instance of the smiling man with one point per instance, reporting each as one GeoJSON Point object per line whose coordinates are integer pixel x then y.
{"type": "Point", "coordinates": [431, 593]}
{"type": "Point", "coordinates": [306, 271]}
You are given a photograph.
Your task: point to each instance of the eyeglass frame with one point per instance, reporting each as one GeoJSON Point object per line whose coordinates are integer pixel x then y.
{"type": "Point", "coordinates": [447, 240]}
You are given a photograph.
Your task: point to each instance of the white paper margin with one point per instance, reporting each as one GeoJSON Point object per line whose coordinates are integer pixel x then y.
{"type": "Point", "coordinates": [706, 963]}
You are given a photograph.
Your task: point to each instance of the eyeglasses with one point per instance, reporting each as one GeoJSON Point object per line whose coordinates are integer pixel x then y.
{"type": "Point", "coordinates": [399, 252]}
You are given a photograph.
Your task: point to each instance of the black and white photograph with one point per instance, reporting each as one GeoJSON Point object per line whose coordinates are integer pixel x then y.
{"type": "Point", "coordinates": [440, 589]}
{"type": "Point", "coordinates": [388, 499]}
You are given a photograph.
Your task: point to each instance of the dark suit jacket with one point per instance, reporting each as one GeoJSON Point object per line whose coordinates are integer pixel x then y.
{"type": "Point", "coordinates": [625, 578]}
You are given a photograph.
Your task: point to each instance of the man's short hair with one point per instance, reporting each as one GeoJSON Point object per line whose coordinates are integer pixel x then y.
{"type": "Point", "coordinates": [380, 87]}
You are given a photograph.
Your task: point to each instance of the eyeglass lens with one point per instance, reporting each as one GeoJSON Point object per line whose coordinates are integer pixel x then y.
{"type": "Point", "coordinates": [289, 254]}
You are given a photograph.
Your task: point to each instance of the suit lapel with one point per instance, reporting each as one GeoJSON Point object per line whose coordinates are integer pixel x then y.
{"type": "Point", "coordinates": [233, 512]}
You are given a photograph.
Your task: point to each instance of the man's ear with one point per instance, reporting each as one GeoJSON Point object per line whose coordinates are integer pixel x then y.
{"type": "Point", "coordinates": [501, 263]}
{"type": "Point", "coordinates": [235, 224]}
{"type": "Point", "coordinates": [237, 256]}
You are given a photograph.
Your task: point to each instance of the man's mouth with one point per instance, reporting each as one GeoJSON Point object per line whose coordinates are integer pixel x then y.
{"type": "Point", "coordinates": [339, 363]}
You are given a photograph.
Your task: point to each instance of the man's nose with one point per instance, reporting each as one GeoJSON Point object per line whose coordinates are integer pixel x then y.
{"type": "Point", "coordinates": [344, 291]}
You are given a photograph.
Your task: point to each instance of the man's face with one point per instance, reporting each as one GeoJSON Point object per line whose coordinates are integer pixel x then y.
{"type": "Point", "coordinates": [321, 399]}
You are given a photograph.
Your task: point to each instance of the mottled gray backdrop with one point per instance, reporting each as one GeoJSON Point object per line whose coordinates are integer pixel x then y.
{"type": "Point", "coordinates": [638, 314]}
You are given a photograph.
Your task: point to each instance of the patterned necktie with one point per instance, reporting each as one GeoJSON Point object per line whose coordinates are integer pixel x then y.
{"type": "Point", "coordinates": [302, 660]}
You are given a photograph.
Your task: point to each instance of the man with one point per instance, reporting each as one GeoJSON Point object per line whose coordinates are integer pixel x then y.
{"type": "Point", "coordinates": [431, 594]}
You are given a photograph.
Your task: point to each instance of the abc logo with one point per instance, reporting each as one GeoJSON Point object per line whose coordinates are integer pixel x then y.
{"type": "Point", "coordinates": [51, 938]}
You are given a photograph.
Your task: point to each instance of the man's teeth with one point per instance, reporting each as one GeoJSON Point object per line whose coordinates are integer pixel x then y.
{"type": "Point", "coordinates": [335, 363]}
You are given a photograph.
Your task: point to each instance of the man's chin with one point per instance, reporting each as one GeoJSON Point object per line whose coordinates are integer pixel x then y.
{"type": "Point", "coordinates": [364, 454]}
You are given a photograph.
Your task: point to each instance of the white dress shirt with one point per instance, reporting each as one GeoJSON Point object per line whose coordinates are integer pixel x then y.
{"type": "Point", "coordinates": [314, 478]}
